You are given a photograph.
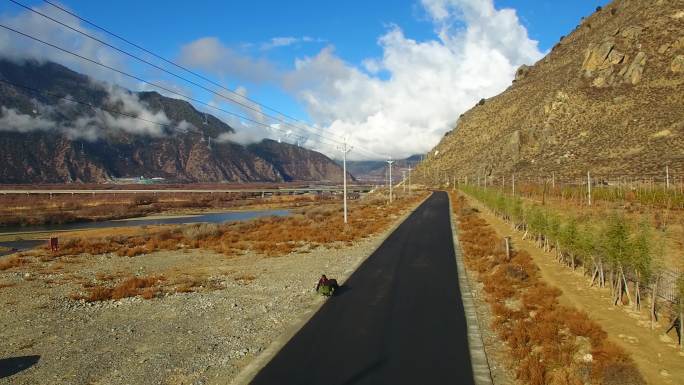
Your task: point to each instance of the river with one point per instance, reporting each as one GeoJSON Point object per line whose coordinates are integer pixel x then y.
{"type": "Point", "coordinates": [231, 216]}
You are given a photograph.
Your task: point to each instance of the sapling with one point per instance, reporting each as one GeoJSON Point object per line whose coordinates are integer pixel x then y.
{"type": "Point", "coordinates": [617, 249]}
{"type": "Point", "coordinates": [641, 260]}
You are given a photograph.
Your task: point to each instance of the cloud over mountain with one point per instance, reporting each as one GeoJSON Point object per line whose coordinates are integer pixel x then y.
{"type": "Point", "coordinates": [403, 102]}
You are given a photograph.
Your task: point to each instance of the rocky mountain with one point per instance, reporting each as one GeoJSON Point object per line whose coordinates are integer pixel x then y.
{"type": "Point", "coordinates": [608, 98]}
{"type": "Point", "coordinates": [45, 138]}
{"type": "Point", "coordinates": [375, 171]}
{"type": "Point", "coordinates": [296, 163]}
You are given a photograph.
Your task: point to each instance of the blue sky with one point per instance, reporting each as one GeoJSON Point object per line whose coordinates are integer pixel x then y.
{"type": "Point", "coordinates": [328, 32]}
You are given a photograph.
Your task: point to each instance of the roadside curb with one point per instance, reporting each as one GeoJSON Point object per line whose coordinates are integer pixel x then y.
{"type": "Point", "coordinates": [478, 356]}
{"type": "Point", "coordinates": [247, 374]}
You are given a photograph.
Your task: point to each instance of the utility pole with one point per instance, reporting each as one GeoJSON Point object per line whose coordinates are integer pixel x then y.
{"type": "Point", "coordinates": [403, 178]}
{"type": "Point", "coordinates": [389, 162]}
{"type": "Point", "coordinates": [345, 149]}
{"type": "Point", "coordinates": [409, 179]}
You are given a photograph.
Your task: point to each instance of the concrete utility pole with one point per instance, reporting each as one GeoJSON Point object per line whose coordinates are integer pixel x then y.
{"type": "Point", "coordinates": [403, 178]}
{"type": "Point", "coordinates": [389, 163]}
{"type": "Point", "coordinates": [345, 149]}
{"type": "Point", "coordinates": [409, 179]}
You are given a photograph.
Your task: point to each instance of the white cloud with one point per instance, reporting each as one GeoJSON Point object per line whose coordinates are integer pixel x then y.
{"type": "Point", "coordinates": [11, 120]}
{"type": "Point", "coordinates": [93, 124]}
{"type": "Point", "coordinates": [18, 48]}
{"type": "Point", "coordinates": [428, 84]}
{"type": "Point", "coordinates": [285, 41]}
{"type": "Point", "coordinates": [211, 55]}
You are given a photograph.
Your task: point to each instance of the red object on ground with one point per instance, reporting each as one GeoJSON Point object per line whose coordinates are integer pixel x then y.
{"type": "Point", "coordinates": [54, 244]}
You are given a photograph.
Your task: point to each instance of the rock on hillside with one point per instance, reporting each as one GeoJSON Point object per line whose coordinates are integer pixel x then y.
{"type": "Point", "coordinates": [609, 98]}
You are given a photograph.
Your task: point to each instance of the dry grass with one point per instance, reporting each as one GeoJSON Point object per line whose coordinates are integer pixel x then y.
{"type": "Point", "coordinates": [146, 287]}
{"type": "Point", "coordinates": [542, 336]}
{"type": "Point", "coordinates": [272, 236]}
{"type": "Point", "coordinates": [245, 278]}
{"type": "Point", "coordinates": [12, 262]}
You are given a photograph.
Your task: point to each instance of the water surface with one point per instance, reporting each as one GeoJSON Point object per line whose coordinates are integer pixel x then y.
{"type": "Point", "coordinates": [231, 216]}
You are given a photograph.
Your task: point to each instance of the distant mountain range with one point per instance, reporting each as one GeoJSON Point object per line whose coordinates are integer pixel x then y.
{"type": "Point", "coordinates": [376, 171]}
{"type": "Point", "coordinates": [47, 139]}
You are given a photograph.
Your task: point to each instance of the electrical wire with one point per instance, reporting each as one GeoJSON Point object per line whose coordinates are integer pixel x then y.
{"type": "Point", "coordinates": [194, 73]}
{"type": "Point", "coordinates": [323, 138]}
{"type": "Point", "coordinates": [305, 129]}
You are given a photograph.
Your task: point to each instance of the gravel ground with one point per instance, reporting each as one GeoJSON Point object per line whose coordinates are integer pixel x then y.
{"type": "Point", "coordinates": [204, 337]}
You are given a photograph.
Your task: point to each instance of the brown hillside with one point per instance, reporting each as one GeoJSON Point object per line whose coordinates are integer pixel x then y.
{"type": "Point", "coordinates": [609, 98]}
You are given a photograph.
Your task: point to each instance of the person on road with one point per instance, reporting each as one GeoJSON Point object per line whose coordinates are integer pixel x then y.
{"type": "Point", "coordinates": [321, 282]}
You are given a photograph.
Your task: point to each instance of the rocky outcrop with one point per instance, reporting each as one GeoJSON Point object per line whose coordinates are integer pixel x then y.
{"type": "Point", "coordinates": [608, 99]}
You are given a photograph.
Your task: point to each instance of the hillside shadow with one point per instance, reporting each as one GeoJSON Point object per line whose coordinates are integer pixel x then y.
{"type": "Point", "coordinates": [13, 365]}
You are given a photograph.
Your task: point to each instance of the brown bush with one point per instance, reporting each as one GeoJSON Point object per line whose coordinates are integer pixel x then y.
{"type": "Point", "coordinates": [621, 373]}
{"type": "Point", "coordinates": [147, 287]}
{"type": "Point", "coordinates": [564, 376]}
{"type": "Point", "coordinates": [12, 262]}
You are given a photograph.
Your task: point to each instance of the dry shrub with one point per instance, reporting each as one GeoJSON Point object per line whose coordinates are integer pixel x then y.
{"type": "Point", "coordinates": [6, 284]}
{"type": "Point", "coordinates": [245, 278]}
{"type": "Point", "coordinates": [131, 287]}
{"type": "Point", "coordinates": [12, 262]}
{"type": "Point", "coordinates": [621, 373]}
{"type": "Point", "coordinates": [564, 376]}
{"type": "Point", "coordinates": [579, 324]}
{"type": "Point", "coordinates": [147, 287]}
{"type": "Point", "coordinates": [199, 231]}
{"type": "Point", "coordinates": [188, 284]}
{"type": "Point", "coordinates": [99, 293]}
{"type": "Point", "coordinates": [532, 371]}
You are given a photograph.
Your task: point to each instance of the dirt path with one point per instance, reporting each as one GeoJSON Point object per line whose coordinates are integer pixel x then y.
{"type": "Point", "coordinates": [657, 356]}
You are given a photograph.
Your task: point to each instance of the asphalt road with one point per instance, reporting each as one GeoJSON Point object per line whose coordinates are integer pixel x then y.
{"type": "Point", "coordinates": [399, 319]}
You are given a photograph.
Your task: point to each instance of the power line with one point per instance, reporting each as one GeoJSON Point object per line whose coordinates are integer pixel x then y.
{"type": "Point", "coordinates": [333, 142]}
{"type": "Point", "coordinates": [308, 130]}
{"type": "Point", "coordinates": [336, 138]}
{"type": "Point", "coordinates": [165, 60]}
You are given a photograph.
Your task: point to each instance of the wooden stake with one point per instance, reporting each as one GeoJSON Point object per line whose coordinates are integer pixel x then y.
{"type": "Point", "coordinates": [513, 183]}
{"type": "Point", "coordinates": [667, 177]}
{"type": "Point", "coordinates": [508, 247]}
{"type": "Point", "coordinates": [589, 188]}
